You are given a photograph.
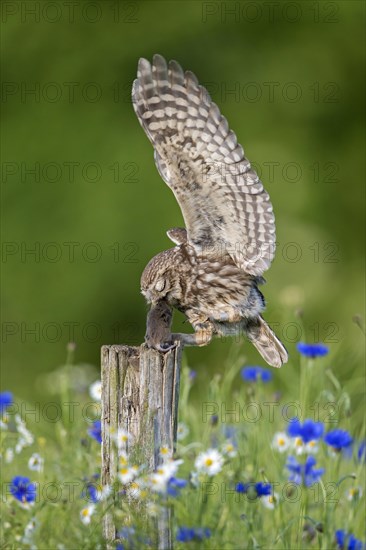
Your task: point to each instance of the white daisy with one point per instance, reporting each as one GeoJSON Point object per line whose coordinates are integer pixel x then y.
{"type": "Point", "coordinates": [209, 462]}
{"type": "Point", "coordinates": [4, 420]}
{"type": "Point", "coordinates": [169, 469]}
{"type": "Point", "coordinates": [35, 462]}
{"type": "Point", "coordinates": [137, 489]}
{"type": "Point", "coordinates": [182, 431]}
{"type": "Point", "coordinates": [269, 501]}
{"type": "Point", "coordinates": [229, 449]}
{"type": "Point", "coordinates": [281, 442]}
{"type": "Point", "coordinates": [122, 459]}
{"type": "Point", "coordinates": [165, 453]}
{"type": "Point", "coordinates": [9, 455]}
{"type": "Point", "coordinates": [29, 530]}
{"type": "Point", "coordinates": [158, 482]}
{"type": "Point", "coordinates": [122, 438]}
{"type": "Point", "coordinates": [354, 493]}
{"type": "Point", "coordinates": [86, 514]}
{"type": "Point", "coordinates": [95, 390]}
{"type": "Point", "coordinates": [127, 474]}
{"type": "Point", "coordinates": [312, 447]}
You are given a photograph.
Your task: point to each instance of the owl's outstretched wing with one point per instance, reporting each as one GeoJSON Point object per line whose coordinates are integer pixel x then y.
{"type": "Point", "coordinates": [223, 202]}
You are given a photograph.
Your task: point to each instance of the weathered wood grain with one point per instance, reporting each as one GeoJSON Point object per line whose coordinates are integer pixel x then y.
{"type": "Point", "coordinates": [140, 394]}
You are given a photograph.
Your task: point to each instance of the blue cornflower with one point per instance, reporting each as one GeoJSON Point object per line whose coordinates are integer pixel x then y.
{"type": "Point", "coordinates": [187, 534]}
{"type": "Point", "coordinates": [260, 489]}
{"type": "Point", "coordinates": [253, 374]}
{"type": "Point", "coordinates": [338, 439]}
{"type": "Point", "coordinates": [192, 374]}
{"type": "Point", "coordinates": [304, 473]}
{"type": "Point", "coordinates": [23, 489]}
{"type": "Point", "coordinates": [312, 350]}
{"type": "Point", "coordinates": [6, 399]}
{"type": "Point", "coordinates": [126, 533]}
{"type": "Point", "coordinates": [96, 431]}
{"type": "Point", "coordinates": [241, 487]}
{"type": "Point", "coordinates": [202, 533]}
{"type": "Point", "coordinates": [91, 493]}
{"type": "Point", "coordinates": [263, 489]}
{"type": "Point", "coordinates": [308, 430]}
{"type": "Point", "coordinates": [361, 452]}
{"type": "Point", "coordinates": [175, 485]}
{"type": "Point", "coordinates": [347, 542]}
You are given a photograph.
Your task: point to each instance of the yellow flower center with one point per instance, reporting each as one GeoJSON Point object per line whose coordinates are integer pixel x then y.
{"type": "Point", "coordinates": [281, 441]}
{"type": "Point", "coordinates": [208, 462]}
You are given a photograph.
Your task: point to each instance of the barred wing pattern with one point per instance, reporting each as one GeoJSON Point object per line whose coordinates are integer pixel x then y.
{"type": "Point", "coordinates": [223, 202]}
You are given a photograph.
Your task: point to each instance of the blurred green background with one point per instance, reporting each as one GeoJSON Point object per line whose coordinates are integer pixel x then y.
{"type": "Point", "coordinates": [81, 190]}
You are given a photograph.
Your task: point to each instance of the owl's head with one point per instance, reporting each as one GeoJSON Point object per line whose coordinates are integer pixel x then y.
{"type": "Point", "coordinates": [159, 278]}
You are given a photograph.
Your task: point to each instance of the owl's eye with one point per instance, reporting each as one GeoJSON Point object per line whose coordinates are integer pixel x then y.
{"type": "Point", "coordinates": [160, 285]}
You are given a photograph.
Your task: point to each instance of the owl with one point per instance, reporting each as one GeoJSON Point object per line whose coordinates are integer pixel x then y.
{"type": "Point", "coordinates": [213, 272]}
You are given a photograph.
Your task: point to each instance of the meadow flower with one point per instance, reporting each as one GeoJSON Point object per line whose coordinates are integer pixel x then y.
{"type": "Point", "coordinates": [91, 493]}
{"type": "Point", "coordinates": [165, 453]}
{"type": "Point", "coordinates": [270, 501]}
{"type": "Point", "coordinates": [338, 439]}
{"type": "Point", "coordinates": [347, 541]}
{"type": "Point", "coordinates": [192, 374]}
{"type": "Point", "coordinates": [122, 459]}
{"type": "Point", "coordinates": [122, 438]}
{"type": "Point", "coordinates": [253, 374]}
{"type": "Point", "coordinates": [307, 431]}
{"type": "Point", "coordinates": [175, 485]}
{"type": "Point", "coordinates": [6, 400]}
{"type": "Point", "coordinates": [127, 474]}
{"type": "Point", "coordinates": [229, 449]}
{"type": "Point", "coordinates": [4, 420]}
{"type": "Point", "coordinates": [86, 514]}
{"type": "Point", "coordinates": [23, 490]}
{"type": "Point", "coordinates": [187, 534]}
{"type": "Point", "coordinates": [95, 390]}
{"type": "Point", "coordinates": [280, 442]}
{"type": "Point", "coordinates": [361, 452]}
{"type": "Point", "coordinates": [263, 489]}
{"type": "Point", "coordinates": [301, 448]}
{"type": "Point", "coordinates": [182, 431]}
{"type": "Point", "coordinates": [159, 479]}
{"type": "Point", "coordinates": [209, 462]}
{"type": "Point", "coordinates": [255, 490]}
{"type": "Point", "coordinates": [312, 350]}
{"type": "Point", "coordinates": [304, 473]}
{"type": "Point", "coordinates": [136, 489]}
{"type": "Point", "coordinates": [128, 535]}
{"type": "Point", "coordinates": [29, 531]}
{"type": "Point", "coordinates": [35, 463]}
{"type": "Point", "coordinates": [354, 493]}
{"type": "Point", "coordinates": [95, 431]}
{"type": "Point", "coordinates": [169, 469]}
{"type": "Point", "coordinates": [26, 437]}
{"type": "Point", "coordinates": [9, 455]}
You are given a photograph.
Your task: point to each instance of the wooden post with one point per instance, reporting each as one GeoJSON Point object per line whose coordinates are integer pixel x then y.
{"type": "Point", "coordinates": [140, 392]}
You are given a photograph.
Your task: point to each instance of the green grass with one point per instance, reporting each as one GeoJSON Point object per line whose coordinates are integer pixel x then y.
{"type": "Point", "coordinates": [223, 409]}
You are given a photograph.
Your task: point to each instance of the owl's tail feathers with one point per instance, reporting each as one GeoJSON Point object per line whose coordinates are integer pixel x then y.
{"type": "Point", "coordinates": [267, 343]}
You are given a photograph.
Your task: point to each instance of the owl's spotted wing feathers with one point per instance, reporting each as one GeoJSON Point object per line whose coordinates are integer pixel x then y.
{"type": "Point", "coordinates": [223, 202]}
